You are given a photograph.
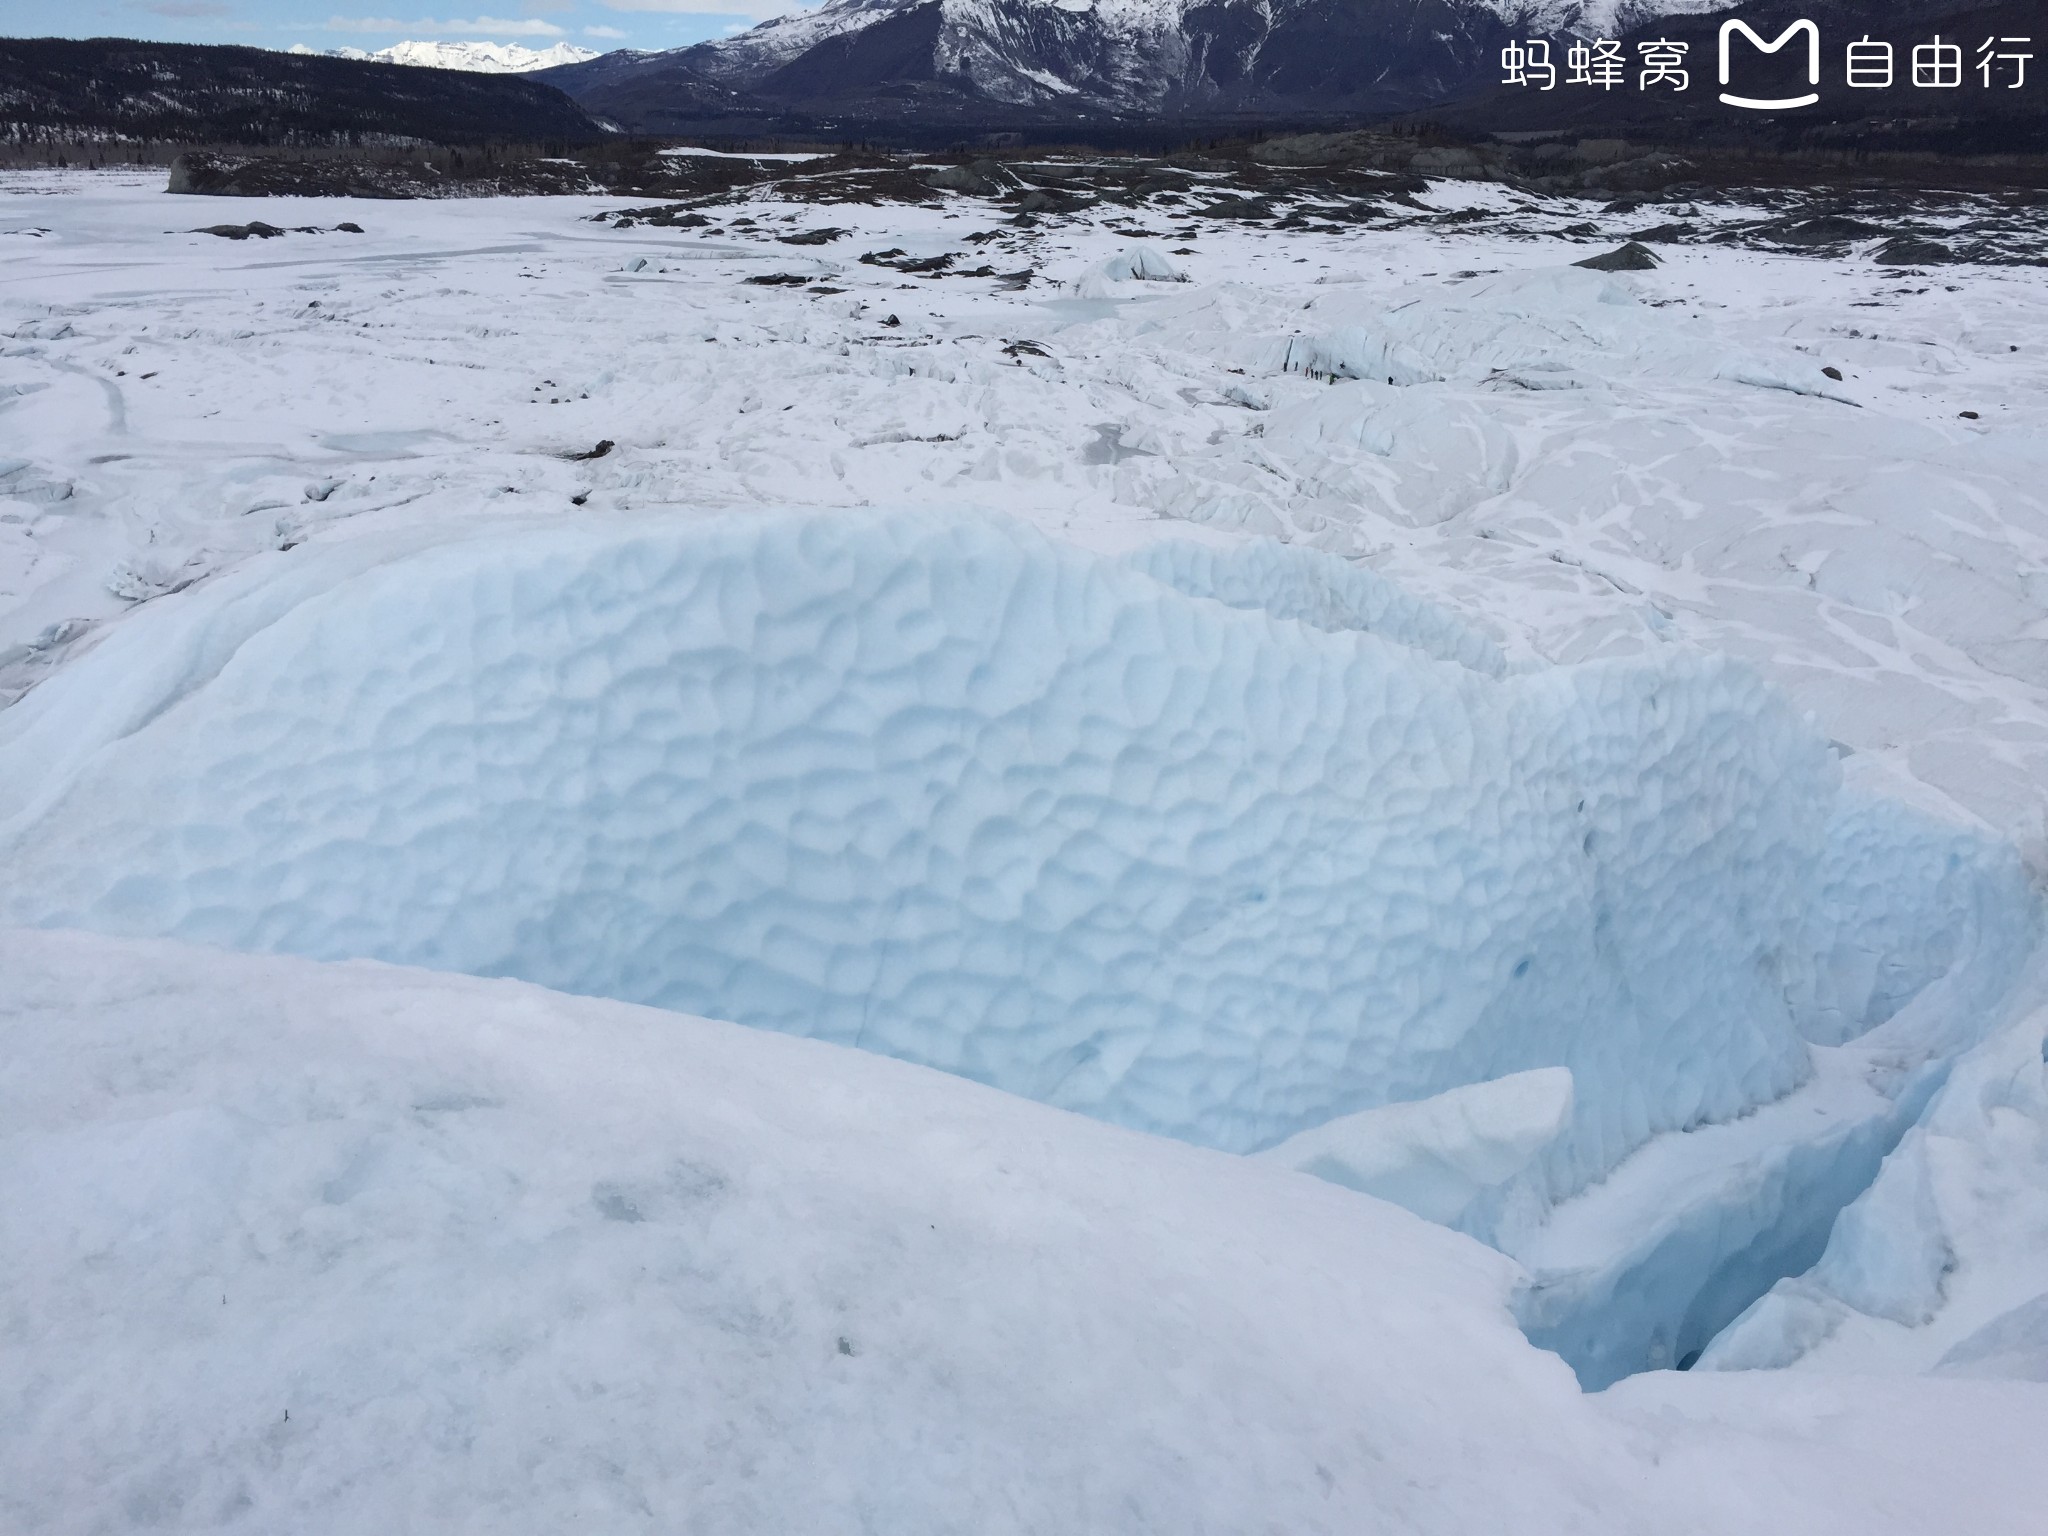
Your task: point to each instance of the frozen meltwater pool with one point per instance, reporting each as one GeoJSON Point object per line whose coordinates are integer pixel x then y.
{"type": "Point", "coordinates": [1227, 845]}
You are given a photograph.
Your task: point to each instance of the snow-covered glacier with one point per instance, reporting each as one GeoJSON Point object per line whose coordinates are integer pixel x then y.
{"type": "Point", "coordinates": [1216, 843]}
{"type": "Point", "coordinates": [1364, 778]}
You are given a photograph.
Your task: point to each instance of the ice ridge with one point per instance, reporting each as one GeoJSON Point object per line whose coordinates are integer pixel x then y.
{"type": "Point", "coordinates": [1287, 581]}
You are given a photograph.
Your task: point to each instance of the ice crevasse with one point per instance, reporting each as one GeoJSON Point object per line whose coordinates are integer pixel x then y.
{"type": "Point", "coordinates": [1218, 843]}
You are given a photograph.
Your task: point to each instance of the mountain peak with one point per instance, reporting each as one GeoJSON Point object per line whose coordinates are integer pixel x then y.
{"type": "Point", "coordinates": [477, 57]}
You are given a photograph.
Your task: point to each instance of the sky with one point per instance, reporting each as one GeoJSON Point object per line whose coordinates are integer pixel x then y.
{"type": "Point", "coordinates": [599, 24]}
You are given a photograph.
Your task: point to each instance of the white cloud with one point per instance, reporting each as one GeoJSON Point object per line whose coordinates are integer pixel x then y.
{"type": "Point", "coordinates": [611, 32]}
{"type": "Point", "coordinates": [479, 26]}
{"type": "Point", "coordinates": [756, 9]}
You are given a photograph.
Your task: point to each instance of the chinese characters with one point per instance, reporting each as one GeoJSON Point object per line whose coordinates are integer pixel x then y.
{"type": "Point", "coordinates": [1868, 63]}
{"type": "Point", "coordinates": [1598, 63]}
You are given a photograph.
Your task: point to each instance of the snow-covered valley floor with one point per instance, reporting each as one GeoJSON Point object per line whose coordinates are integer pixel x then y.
{"type": "Point", "coordinates": [1028, 680]}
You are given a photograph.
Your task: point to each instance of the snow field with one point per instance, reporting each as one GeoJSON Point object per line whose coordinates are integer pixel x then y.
{"type": "Point", "coordinates": [355, 1249]}
{"type": "Point", "coordinates": [396, 1251]}
{"type": "Point", "coordinates": [176, 407]}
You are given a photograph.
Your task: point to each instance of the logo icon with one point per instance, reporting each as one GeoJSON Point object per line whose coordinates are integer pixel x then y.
{"type": "Point", "coordinates": [1728, 31]}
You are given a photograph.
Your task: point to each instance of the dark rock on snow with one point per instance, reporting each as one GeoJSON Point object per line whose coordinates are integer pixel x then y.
{"type": "Point", "coordinates": [1628, 258]}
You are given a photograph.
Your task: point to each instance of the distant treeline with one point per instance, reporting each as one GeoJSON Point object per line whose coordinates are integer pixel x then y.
{"type": "Point", "coordinates": [90, 152]}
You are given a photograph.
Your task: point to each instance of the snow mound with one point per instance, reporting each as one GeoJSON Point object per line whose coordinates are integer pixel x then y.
{"type": "Point", "coordinates": [1445, 1157]}
{"type": "Point", "coordinates": [939, 788]}
{"type": "Point", "coordinates": [2013, 1345]}
{"type": "Point", "coordinates": [1140, 263]}
{"type": "Point", "coordinates": [362, 1248]}
{"type": "Point", "coordinates": [1539, 328]}
{"type": "Point", "coordinates": [347, 1248]}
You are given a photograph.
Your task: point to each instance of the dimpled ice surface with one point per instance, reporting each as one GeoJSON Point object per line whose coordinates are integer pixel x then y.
{"type": "Point", "coordinates": [937, 787]}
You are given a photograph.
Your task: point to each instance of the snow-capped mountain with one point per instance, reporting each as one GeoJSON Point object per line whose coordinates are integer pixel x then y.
{"type": "Point", "coordinates": [1032, 61]}
{"type": "Point", "coordinates": [477, 57]}
{"type": "Point", "coordinates": [940, 68]}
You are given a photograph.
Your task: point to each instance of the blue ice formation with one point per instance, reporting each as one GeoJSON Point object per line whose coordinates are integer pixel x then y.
{"type": "Point", "coordinates": [1216, 844]}
{"type": "Point", "coordinates": [1286, 581]}
{"type": "Point", "coordinates": [1961, 1191]}
{"type": "Point", "coordinates": [1456, 1158]}
{"type": "Point", "coordinates": [1661, 1299]}
{"type": "Point", "coordinates": [1904, 902]}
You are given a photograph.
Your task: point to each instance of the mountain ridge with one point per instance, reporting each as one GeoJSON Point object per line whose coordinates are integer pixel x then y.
{"type": "Point", "coordinates": [1040, 64]}
{"type": "Point", "coordinates": [947, 71]}
{"type": "Point", "coordinates": [476, 57]}
{"type": "Point", "coordinates": [56, 89]}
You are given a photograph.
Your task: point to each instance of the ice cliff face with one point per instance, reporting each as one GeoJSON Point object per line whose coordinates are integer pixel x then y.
{"type": "Point", "coordinates": [1220, 845]}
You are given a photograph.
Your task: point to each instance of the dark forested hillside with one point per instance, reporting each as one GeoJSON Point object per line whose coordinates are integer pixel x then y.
{"type": "Point", "coordinates": [116, 87]}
